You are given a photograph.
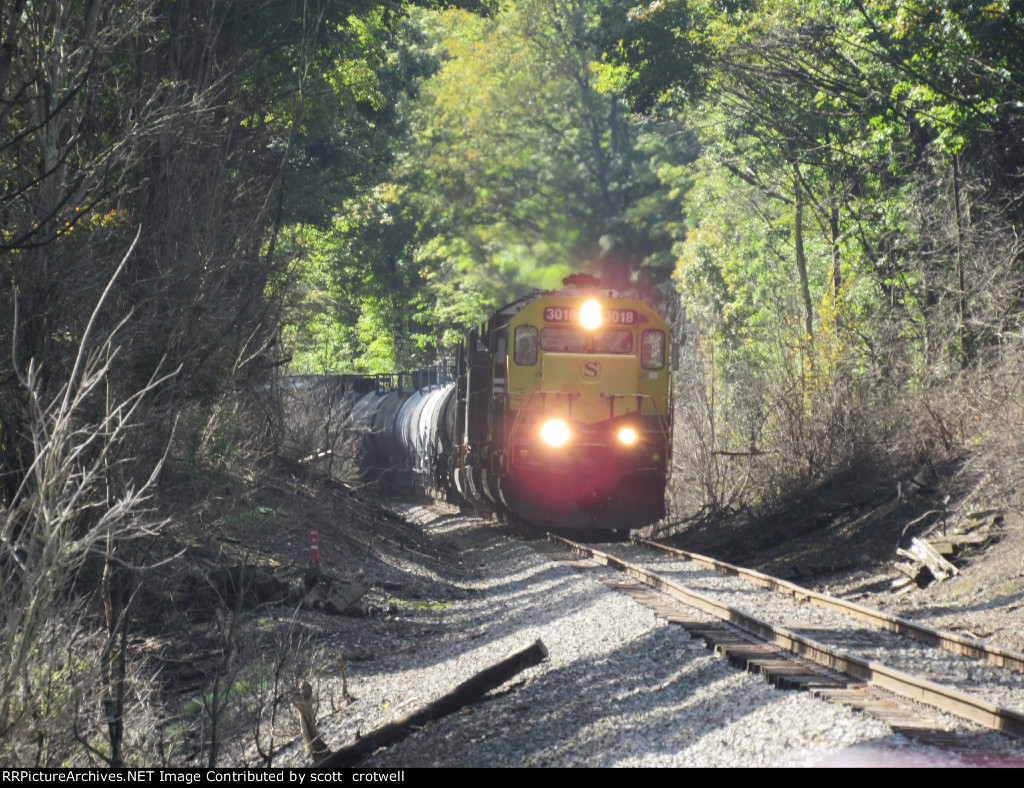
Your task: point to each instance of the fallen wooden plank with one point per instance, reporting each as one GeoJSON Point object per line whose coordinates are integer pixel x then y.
{"type": "Point", "coordinates": [974, 537]}
{"type": "Point", "coordinates": [943, 546]}
{"type": "Point", "coordinates": [941, 568]}
{"type": "Point", "coordinates": [467, 692]}
{"type": "Point", "coordinates": [911, 568]}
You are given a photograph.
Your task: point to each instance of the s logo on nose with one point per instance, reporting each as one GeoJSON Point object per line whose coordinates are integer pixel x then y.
{"type": "Point", "coordinates": [590, 370]}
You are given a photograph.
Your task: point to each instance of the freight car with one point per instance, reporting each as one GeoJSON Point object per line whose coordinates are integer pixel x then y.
{"type": "Point", "coordinates": [557, 410]}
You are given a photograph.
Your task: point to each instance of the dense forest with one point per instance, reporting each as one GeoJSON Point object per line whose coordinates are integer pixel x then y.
{"type": "Point", "coordinates": [198, 196]}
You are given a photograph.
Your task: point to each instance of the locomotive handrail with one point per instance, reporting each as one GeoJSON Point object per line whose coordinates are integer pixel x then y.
{"type": "Point", "coordinates": [639, 402]}
{"type": "Point", "coordinates": [544, 398]}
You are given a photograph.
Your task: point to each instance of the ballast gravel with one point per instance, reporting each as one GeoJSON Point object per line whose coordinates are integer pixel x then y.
{"type": "Point", "coordinates": [995, 684]}
{"type": "Point", "coordinates": [620, 687]}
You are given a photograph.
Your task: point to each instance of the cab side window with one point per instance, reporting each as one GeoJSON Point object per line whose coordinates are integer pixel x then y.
{"type": "Point", "coordinates": [525, 351]}
{"type": "Point", "coordinates": [652, 349]}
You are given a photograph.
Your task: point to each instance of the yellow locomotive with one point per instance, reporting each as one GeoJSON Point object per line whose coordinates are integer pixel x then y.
{"type": "Point", "coordinates": [562, 411]}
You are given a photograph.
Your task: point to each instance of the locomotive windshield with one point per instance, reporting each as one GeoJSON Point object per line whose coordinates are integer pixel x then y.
{"type": "Point", "coordinates": [614, 340]}
{"type": "Point", "coordinates": [563, 340]}
{"type": "Point", "coordinates": [570, 340]}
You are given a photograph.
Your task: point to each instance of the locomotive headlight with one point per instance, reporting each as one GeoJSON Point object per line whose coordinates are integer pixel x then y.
{"type": "Point", "coordinates": [590, 314]}
{"type": "Point", "coordinates": [627, 435]}
{"type": "Point", "coordinates": [554, 432]}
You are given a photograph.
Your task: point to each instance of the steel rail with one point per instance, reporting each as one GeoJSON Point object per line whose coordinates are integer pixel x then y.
{"type": "Point", "coordinates": [958, 644]}
{"type": "Point", "coordinates": [938, 696]}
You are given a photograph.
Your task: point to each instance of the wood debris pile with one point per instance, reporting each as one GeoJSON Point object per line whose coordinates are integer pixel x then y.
{"type": "Point", "coordinates": [930, 559]}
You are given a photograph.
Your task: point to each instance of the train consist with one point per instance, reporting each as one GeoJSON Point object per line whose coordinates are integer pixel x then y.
{"type": "Point", "coordinates": [557, 410]}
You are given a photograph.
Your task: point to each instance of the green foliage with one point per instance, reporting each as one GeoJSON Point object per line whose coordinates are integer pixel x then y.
{"type": "Point", "coordinates": [514, 172]}
{"type": "Point", "coordinates": [653, 53]}
{"type": "Point", "coordinates": [533, 166]}
{"type": "Point", "coordinates": [242, 688]}
{"type": "Point", "coordinates": [853, 156]}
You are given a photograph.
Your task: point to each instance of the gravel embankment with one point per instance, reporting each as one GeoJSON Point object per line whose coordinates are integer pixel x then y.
{"type": "Point", "coordinates": [621, 687]}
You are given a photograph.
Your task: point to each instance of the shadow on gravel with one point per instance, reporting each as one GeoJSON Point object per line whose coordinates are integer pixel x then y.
{"type": "Point", "coordinates": [1010, 601]}
{"type": "Point", "coordinates": [646, 701]}
{"type": "Point", "coordinates": [513, 605]}
{"type": "Point", "coordinates": [661, 700]}
{"type": "Point", "coordinates": [655, 699]}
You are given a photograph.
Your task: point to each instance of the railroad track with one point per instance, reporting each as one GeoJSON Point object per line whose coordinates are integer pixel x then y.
{"type": "Point", "coordinates": [895, 669]}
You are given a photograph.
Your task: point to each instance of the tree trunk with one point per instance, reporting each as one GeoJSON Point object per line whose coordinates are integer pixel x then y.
{"type": "Point", "coordinates": [837, 276]}
{"type": "Point", "coordinates": [801, 259]}
{"type": "Point", "coordinates": [967, 349]}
